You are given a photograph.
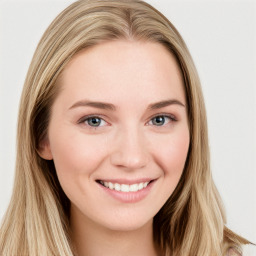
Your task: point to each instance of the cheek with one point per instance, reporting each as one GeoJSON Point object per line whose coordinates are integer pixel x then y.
{"type": "Point", "coordinates": [76, 155]}
{"type": "Point", "coordinates": [172, 155]}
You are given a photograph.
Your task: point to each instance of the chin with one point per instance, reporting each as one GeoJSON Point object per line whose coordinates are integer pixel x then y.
{"type": "Point", "coordinates": [126, 225]}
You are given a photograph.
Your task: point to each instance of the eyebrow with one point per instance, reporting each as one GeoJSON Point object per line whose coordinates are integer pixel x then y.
{"type": "Point", "coordinates": [109, 106]}
{"type": "Point", "coordinates": [95, 104]}
{"type": "Point", "coordinates": [165, 103]}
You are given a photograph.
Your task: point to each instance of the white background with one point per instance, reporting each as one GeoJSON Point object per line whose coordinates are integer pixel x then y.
{"type": "Point", "coordinates": [221, 36]}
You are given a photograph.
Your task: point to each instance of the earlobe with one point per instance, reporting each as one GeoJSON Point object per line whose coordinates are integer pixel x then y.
{"type": "Point", "coordinates": [44, 149]}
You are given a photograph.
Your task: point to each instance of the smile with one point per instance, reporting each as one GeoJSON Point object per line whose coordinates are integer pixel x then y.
{"type": "Point", "coordinates": [124, 187]}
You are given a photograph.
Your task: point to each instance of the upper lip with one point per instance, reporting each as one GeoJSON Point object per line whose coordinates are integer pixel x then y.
{"type": "Point", "coordinates": [127, 181]}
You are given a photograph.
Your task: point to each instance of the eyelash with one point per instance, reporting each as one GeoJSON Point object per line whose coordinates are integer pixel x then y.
{"type": "Point", "coordinates": [164, 115]}
{"type": "Point", "coordinates": [168, 116]}
{"type": "Point", "coordinates": [86, 118]}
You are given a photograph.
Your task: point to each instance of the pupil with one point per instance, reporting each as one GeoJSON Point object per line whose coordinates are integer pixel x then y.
{"type": "Point", "coordinates": [94, 121]}
{"type": "Point", "coordinates": [159, 120]}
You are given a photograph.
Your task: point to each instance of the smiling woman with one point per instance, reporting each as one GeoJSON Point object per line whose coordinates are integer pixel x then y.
{"type": "Point", "coordinates": [148, 134]}
{"type": "Point", "coordinates": [113, 151]}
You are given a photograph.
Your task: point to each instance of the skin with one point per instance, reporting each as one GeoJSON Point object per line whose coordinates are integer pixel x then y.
{"type": "Point", "coordinates": [128, 144]}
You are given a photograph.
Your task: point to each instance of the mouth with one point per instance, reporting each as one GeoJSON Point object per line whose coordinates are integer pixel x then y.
{"type": "Point", "coordinates": [123, 187]}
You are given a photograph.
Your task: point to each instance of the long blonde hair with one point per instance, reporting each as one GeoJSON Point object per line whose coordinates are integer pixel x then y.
{"type": "Point", "coordinates": [37, 220]}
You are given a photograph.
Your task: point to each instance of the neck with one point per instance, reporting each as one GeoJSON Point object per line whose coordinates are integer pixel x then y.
{"type": "Point", "coordinates": [90, 239]}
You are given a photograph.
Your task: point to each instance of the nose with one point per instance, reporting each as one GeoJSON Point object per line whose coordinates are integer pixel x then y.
{"type": "Point", "coordinates": [129, 150]}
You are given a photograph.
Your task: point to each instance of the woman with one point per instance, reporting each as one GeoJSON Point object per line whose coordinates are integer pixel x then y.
{"type": "Point", "coordinates": [113, 151]}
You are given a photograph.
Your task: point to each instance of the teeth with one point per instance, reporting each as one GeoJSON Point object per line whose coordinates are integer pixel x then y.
{"type": "Point", "coordinates": [134, 187]}
{"type": "Point", "coordinates": [111, 185]}
{"type": "Point", "coordinates": [124, 187]}
{"type": "Point", "coordinates": [117, 187]}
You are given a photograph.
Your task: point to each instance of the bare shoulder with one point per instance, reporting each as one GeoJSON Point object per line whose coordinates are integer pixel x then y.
{"type": "Point", "coordinates": [247, 250]}
{"type": "Point", "coordinates": [233, 252]}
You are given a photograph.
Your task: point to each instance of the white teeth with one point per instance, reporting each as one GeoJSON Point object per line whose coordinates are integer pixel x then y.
{"type": "Point", "coordinates": [134, 187]}
{"type": "Point", "coordinates": [117, 187]}
{"type": "Point", "coordinates": [111, 185]}
{"type": "Point", "coordinates": [141, 186]}
{"type": "Point", "coordinates": [125, 187]}
{"type": "Point", "coordinates": [145, 184]}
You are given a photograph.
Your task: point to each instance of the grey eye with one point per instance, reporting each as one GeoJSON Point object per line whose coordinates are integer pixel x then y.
{"type": "Point", "coordinates": [159, 120]}
{"type": "Point", "coordinates": [94, 121]}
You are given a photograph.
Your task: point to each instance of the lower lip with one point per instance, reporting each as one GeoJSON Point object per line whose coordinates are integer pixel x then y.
{"type": "Point", "coordinates": [128, 197]}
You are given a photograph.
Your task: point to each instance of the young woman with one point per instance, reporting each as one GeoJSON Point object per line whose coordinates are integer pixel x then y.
{"type": "Point", "coordinates": [113, 154]}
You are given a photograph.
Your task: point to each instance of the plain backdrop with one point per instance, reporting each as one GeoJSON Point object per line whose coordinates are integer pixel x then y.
{"type": "Point", "coordinates": [222, 39]}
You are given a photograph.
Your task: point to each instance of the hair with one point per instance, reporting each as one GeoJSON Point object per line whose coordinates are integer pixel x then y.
{"type": "Point", "coordinates": [192, 221]}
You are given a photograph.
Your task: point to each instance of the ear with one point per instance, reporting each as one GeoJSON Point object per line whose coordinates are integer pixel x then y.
{"type": "Point", "coordinates": [44, 149]}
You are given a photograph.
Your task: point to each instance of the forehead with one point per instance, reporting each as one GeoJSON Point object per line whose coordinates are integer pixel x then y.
{"type": "Point", "coordinates": [117, 69]}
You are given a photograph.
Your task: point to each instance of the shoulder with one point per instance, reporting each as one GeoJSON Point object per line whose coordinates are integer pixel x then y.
{"type": "Point", "coordinates": [247, 250]}
{"type": "Point", "coordinates": [233, 252]}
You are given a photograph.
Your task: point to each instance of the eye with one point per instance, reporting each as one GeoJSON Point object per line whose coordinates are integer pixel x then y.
{"type": "Point", "coordinates": [161, 120]}
{"type": "Point", "coordinates": [93, 121]}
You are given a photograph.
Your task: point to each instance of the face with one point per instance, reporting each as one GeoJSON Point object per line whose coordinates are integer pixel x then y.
{"type": "Point", "coordinates": [118, 133]}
